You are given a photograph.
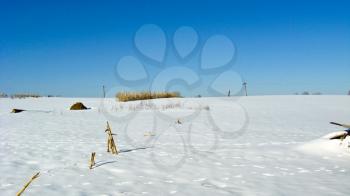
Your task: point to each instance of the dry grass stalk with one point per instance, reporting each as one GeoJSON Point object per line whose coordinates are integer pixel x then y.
{"type": "Point", "coordinates": [111, 147]}
{"type": "Point", "coordinates": [92, 160]}
{"type": "Point", "coordinates": [132, 96]}
{"type": "Point", "coordinates": [27, 184]}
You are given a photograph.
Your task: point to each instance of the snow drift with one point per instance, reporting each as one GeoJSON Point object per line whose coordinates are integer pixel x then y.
{"type": "Point", "coordinates": [247, 146]}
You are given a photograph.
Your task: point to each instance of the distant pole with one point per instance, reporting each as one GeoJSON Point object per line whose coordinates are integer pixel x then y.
{"type": "Point", "coordinates": [104, 91]}
{"type": "Point", "coordinates": [229, 93]}
{"type": "Point", "coordinates": [245, 88]}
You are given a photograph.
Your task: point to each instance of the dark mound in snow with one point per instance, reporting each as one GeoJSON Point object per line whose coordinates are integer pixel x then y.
{"type": "Point", "coordinates": [78, 106]}
{"type": "Point", "coordinates": [17, 110]}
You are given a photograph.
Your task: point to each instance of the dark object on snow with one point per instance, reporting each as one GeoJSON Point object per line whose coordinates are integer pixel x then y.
{"type": "Point", "coordinates": [340, 134]}
{"type": "Point", "coordinates": [17, 110]}
{"type": "Point", "coordinates": [342, 125]}
{"type": "Point", "coordinates": [78, 106]}
{"type": "Point", "coordinates": [178, 122]}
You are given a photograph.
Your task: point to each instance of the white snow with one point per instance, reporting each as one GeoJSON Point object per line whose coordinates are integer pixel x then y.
{"type": "Point", "coordinates": [191, 146]}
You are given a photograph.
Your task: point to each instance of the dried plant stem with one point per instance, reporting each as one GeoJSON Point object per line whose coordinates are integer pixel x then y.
{"type": "Point", "coordinates": [27, 184]}
{"type": "Point", "coordinates": [92, 160]}
{"type": "Point", "coordinates": [111, 147]}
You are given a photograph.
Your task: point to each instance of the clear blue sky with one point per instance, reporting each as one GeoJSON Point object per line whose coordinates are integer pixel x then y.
{"type": "Point", "coordinates": [71, 49]}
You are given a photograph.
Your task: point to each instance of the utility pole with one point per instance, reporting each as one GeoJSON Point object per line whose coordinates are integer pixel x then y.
{"type": "Point", "coordinates": [104, 91]}
{"type": "Point", "coordinates": [245, 88]}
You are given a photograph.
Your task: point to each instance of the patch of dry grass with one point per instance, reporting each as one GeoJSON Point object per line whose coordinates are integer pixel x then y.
{"type": "Point", "coordinates": [133, 96]}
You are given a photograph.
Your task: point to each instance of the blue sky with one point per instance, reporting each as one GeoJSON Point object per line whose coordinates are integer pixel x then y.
{"type": "Point", "coordinates": [71, 49]}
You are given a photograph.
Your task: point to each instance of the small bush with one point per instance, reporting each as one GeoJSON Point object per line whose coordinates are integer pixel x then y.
{"type": "Point", "coordinates": [133, 96]}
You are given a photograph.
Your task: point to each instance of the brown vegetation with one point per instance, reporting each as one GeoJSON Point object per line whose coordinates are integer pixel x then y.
{"type": "Point", "coordinates": [92, 160]}
{"type": "Point", "coordinates": [132, 96]}
{"type": "Point", "coordinates": [111, 147]}
{"type": "Point", "coordinates": [27, 184]}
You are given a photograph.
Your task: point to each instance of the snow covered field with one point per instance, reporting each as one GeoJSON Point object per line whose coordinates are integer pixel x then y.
{"type": "Point", "coordinates": [264, 145]}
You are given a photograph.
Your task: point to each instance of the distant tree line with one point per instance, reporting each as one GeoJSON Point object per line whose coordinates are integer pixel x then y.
{"type": "Point", "coordinates": [3, 95]}
{"type": "Point", "coordinates": [315, 93]}
{"type": "Point", "coordinates": [308, 93]}
{"type": "Point", "coordinates": [23, 95]}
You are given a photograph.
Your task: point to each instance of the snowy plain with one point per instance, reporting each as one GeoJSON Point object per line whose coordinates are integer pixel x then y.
{"type": "Point", "coordinates": [263, 145]}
